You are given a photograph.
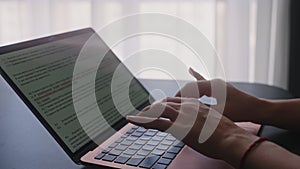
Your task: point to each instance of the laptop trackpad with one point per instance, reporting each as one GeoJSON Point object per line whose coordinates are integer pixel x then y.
{"type": "Point", "coordinates": [191, 159]}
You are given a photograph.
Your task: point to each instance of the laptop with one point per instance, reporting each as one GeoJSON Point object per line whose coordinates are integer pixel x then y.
{"type": "Point", "coordinates": [41, 72]}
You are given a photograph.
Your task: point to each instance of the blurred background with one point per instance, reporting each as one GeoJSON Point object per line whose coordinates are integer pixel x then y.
{"type": "Point", "coordinates": [252, 37]}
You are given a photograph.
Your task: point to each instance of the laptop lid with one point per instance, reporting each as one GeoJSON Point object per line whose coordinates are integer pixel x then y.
{"type": "Point", "coordinates": [41, 73]}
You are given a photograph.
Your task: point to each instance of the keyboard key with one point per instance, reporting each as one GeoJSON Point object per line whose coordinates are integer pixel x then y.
{"type": "Point", "coordinates": [149, 161]}
{"type": "Point", "coordinates": [140, 142]}
{"type": "Point", "coordinates": [99, 156]}
{"type": "Point", "coordinates": [165, 161]}
{"type": "Point", "coordinates": [115, 152]}
{"type": "Point", "coordinates": [143, 152]}
{"type": "Point", "coordinates": [131, 138]}
{"type": "Point", "coordinates": [145, 138]}
{"type": "Point", "coordinates": [149, 134]}
{"type": "Point", "coordinates": [167, 142]}
{"type": "Point", "coordinates": [169, 155]}
{"type": "Point", "coordinates": [130, 131]}
{"type": "Point", "coordinates": [135, 160]}
{"type": "Point", "coordinates": [113, 145]}
{"type": "Point", "coordinates": [121, 147]}
{"type": "Point", "coordinates": [157, 138]}
{"type": "Point", "coordinates": [106, 150]}
{"type": "Point", "coordinates": [122, 159]}
{"type": "Point", "coordinates": [108, 157]}
{"type": "Point", "coordinates": [126, 142]}
{"type": "Point", "coordinates": [130, 151]}
{"type": "Point", "coordinates": [142, 130]}
{"type": "Point", "coordinates": [162, 134]}
{"type": "Point", "coordinates": [152, 130]}
{"type": "Point", "coordinates": [174, 150]}
{"type": "Point", "coordinates": [159, 166]}
{"type": "Point", "coordinates": [178, 143]}
{"type": "Point", "coordinates": [148, 147]}
{"type": "Point", "coordinates": [158, 152]}
{"type": "Point", "coordinates": [153, 143]}
{"type": "Point", "coordinates": [135, 146]}
{"type": "Point", "coordinates": [162, 147]}
{"type": "Point", "coordinates": [119, 140]}
{"type": "Point", "coordinates": [136, 134]}
{"type": "Point", "coordinates": [170, 138]}
{"type": "Point", "coordinates": [124, 135]}
{"type": "Point", "coordinates": [135, 127]}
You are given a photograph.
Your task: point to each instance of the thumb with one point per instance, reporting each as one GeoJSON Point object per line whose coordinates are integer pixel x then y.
{"type": "Point", "coordinates": [195, 89]}
{"type": "Point", "coordinates": [196, 74]}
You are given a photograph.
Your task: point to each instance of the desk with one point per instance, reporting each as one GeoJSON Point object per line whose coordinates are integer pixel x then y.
{"type": "Point", "coordinates": [26, 144]}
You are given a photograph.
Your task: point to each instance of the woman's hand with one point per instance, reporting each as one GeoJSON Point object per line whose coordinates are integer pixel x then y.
{"type": "Point", "coordinates": [238, 106]}
{"type": "Point", "coordinates": [185, 117]}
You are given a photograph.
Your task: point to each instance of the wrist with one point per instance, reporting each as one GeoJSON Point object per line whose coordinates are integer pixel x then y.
{"type": "Point", "coordinates": [235, 145]}
{"type": "Point", "coordinates": [263, 110]}
{"type": "Point", "coordinates": [276, 114]}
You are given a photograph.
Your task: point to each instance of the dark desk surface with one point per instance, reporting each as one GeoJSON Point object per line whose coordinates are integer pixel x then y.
{"type": "Point", "coordinates": [26, 144]}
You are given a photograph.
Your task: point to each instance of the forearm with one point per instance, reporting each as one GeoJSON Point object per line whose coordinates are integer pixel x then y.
{"type": "Point", "coordinates": [280, 113]}
{"type": "Point", "coordinates": [270, 155]}
{"type": "Point", "coordinates": [264, 155]}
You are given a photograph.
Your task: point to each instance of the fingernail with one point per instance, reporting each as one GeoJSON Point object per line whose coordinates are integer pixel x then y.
{"type": "Point", "coordinates": [130, 118]}
{"type": "Point", "coordinates": [191, 70]}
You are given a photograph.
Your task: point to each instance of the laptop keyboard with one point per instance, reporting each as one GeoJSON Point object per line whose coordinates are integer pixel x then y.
{"type": "Point", "coordinates": [142, 148]}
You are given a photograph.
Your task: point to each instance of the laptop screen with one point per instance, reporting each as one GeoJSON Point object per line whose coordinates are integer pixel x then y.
{"type": "Point", "coordinates": [43, 74]}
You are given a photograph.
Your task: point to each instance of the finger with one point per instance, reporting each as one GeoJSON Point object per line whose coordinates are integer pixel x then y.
{"type": "Point", "coordinates": [178, 94]}
{"type": "Point", "coordinates": [146, 108]}
{"type": "Point", "coordinates": [174, 105]}
{"type": "Point", "coordinates": [196, 74]}
{"type": "Point", "coordinates": [195, 89]}
{"type": "Point", "coordinates": [176, 101]}
{"type": "Point", "coordinates": [160, 110]}
{"type": "Point", "coordinates": [172, 99]}
{"type": "Point", "coordinates": [148, 122]}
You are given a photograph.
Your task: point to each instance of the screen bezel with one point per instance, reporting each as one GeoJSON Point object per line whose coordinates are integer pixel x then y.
{"type": "Point", "coordinates": [23, 45]}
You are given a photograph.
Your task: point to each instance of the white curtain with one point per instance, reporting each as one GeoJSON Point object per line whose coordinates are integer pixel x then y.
{"type": "Point", "coordinates": [251, 36]}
